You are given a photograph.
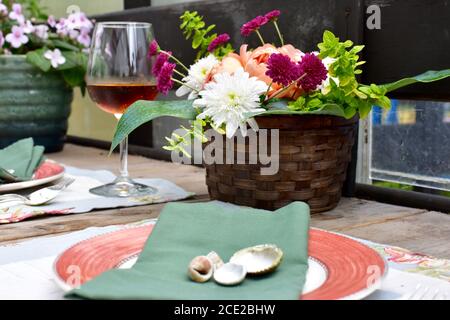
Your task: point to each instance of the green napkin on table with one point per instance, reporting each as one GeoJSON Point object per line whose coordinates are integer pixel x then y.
{"type": "Point", "coordinates": [184, 231]}
{"type": "Point", "coordinates": [19, 160]}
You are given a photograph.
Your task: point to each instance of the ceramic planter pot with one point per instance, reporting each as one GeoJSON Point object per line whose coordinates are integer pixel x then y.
{"type": "Point", "coordinates": [314, 153]}
{"type": "Point", "coordinates": [32, 104]}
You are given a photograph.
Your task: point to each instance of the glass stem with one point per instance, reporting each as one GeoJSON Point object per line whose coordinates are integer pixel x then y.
{"type": "Point", "coordinates": [124, 158]}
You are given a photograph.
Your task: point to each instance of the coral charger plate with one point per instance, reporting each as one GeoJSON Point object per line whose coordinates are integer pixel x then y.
{"type": "Point", "coordinates": [339, 267]}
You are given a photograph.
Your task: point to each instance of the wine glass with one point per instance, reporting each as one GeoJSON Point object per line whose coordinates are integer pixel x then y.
{"type": "Point", "coordinates": [119, 73]}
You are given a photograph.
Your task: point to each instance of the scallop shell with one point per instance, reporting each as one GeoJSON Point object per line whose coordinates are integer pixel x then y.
{"type": "Point", "coordinates": [259, 259]}
{"type": "Point", "coordinates": [200, 269]}
{"type": "Point", "coordinates": [230, 274]}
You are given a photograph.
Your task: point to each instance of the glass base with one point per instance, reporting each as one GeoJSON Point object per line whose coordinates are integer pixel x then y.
{"type": "Point", "coordinates": [123, 188]}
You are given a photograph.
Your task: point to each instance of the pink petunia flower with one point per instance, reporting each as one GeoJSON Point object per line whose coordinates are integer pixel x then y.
{"type": "Point", "coordinates": [165, 82]}
{"type": "Point", "coordinates": [56, 58]}
{"type": "Point", "coordinates": [17, 37]}
{"type": "Point", "coordinates": [218, 41]}
{"type": "Point", "coordinates": [16, 13]}
{"type": "Point", "coordinates": [84, 37]}
{"type": "Point", "coordinates": [272, 15]}
{"type": "Point", "coordinates": [281, 69]}
{"type": "Point", "coordinates": [253, 25]}
{"type": "Point", "coordinates": [2, 39]}
{"type": "Point", "coordinates": [160, 60]}
{"type": "Point", "coordinates": [315, 70]}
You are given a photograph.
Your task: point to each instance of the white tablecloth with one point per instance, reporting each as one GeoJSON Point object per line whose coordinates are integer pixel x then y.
{"type": "Point", "coordinates": [26, 269]}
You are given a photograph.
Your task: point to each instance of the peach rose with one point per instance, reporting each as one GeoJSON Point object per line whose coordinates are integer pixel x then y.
{"type": "Point", "coordinates": [255, 63]}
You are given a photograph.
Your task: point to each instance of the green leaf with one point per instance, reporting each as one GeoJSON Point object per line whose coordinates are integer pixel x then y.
{"type": "Point", "coordinates": [425, 77]}
{"type": "Point", "coordinates": [142, 111]}
{"type": "Point", "coordinates": [73, 60]}
{"type": "Point", "coordinates": [74, 77]}
{"type": "Point", "coordinates": [282, 108]}
{"type": "Point", "coordinates": [63, 45]}
{"type": "Point", "coordinates": [37, 59]}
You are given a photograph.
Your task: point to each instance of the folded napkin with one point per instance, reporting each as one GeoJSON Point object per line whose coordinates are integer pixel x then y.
{"type": "Point", "coordinates": [184, 231]}
{"type": "Point", "coordinates": [19, 160]}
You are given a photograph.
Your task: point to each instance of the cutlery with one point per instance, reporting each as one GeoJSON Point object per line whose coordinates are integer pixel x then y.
{"type": "Point", "coordinates": [39, 197]}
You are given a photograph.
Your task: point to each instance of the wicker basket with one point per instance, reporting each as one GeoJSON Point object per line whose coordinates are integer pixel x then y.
{"type": "Point", "coordinates": [314, 153]}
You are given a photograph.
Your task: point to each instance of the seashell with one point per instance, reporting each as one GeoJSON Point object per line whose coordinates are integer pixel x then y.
{"type": "Point", "coordinates": [230, 274]}
{"type": "Point", "coordinates": [259, 259]}
{"type": "Point", "coordinates": [216, 259]}
{"type": "Point", "coordinates": [200, 269]}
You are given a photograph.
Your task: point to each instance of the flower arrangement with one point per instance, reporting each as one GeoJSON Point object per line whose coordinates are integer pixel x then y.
{"type": "Point", "coordinates": [49, 44]}
{"type": "Point", "coordinates": [226, 89]}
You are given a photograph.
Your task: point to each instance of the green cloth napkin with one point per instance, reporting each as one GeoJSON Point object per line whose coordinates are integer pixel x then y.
{"type": "Point", "coordinates": [188, 230]}
{"type": "Point", "coordinates": [19, 160]}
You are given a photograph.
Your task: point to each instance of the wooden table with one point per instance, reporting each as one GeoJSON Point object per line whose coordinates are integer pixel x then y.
{"type": "Point", "coordinates": [415, 229]}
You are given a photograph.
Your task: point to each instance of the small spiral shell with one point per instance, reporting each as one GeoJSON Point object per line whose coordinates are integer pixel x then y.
{"type": "Point", "coordinates": [215, 259]}
{"type": "Point", "coordinates": [200, 269]}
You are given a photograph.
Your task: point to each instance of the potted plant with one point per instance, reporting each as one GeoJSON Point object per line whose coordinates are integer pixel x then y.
{"type": "Point", "coordinates": [311, 100]}
{"type": "Point", "coordinates": [41, 61]}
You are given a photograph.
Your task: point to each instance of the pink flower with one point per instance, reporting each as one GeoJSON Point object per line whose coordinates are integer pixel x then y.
{"type": "Point", "coordinates": [78, 20]}
{"type": "Point", "coordinates": [218, 41]}
{"type": "Point", "coordinates": [61, 28]}
{"type": "Point", "coordinates": [56, 58]}
{"type": "Point", "coordinates": [3, 9]}
{"type": "Point", "coordinates": [165, 82]}
{"type": "Point", "coordinates": [153, 48]}
{"type": "Point", "coordinates": [84, 37]}
{"type": "Point", "coordinates": [281, 69]}
{"type": "Point", "coordinates": [315, 70]}
{"type": "Point", "coordinates": [51, 21]}
{"type": "Point", "coordinates": [272, 15]}
{"type": "Point", "coordinates": [255, 63]}
{"type": "Point", "coordinates": [16, 38]}
{"type": "Point", "coordinates": [253, 25]}
{"type": "Point", "coordinates": [2, 39]}
{"type": "Point", "coordinates": [27, 27]}
{"type": "Point", "coordinates": [16, 13]}
{"type": "Point", "coordinates": [41, 31]}
{"type": "Point", "coordinates": [160, 60]}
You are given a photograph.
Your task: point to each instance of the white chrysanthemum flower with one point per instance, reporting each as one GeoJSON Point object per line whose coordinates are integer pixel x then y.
{"type": "Point", "coordinates": [229, 98]}
{"type": "Point", "coordinates": [326, 86]}
{"type": "Point", "coordinates": [197, 76]}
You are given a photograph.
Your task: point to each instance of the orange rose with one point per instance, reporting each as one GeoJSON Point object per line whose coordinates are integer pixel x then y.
{"type": "Point", "coordinates": [255, 63]}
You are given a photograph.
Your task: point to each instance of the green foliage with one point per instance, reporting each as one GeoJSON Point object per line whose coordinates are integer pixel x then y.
{"type": "Point", "coordinates": [345, 93]}
{"type": "Point", "coordinates": [141, 112]}
{"type": "Point", "coordinates": [194, 27]}
{"type": "Point", "coordinates": [179, 143]}
{"type": "Point", "coordinates": [37, 59]}
{"type": "Point", "coordinates": [73, 70]}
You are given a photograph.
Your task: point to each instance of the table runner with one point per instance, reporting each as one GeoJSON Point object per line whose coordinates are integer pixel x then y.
{"type": "Point", "coordinates": [26, 269]}
{"type": "Point", "coordinates": [78, 199]}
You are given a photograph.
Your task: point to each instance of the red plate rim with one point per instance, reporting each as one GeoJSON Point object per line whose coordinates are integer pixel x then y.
{"type": "Point", "coordinates": [353, 269]}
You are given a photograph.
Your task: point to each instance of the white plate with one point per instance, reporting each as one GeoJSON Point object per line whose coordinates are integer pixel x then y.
{"type": "Point", "coordinates": [8, 187]}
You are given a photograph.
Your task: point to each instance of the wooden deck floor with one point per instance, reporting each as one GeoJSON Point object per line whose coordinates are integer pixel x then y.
{"type": "Point", "coordinates": [415, 229]}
